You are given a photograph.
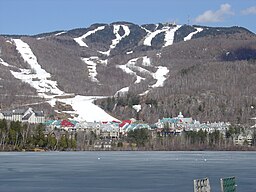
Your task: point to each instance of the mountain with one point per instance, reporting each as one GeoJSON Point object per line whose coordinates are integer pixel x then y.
{"type": "Point", "coordinates": [142, 71]}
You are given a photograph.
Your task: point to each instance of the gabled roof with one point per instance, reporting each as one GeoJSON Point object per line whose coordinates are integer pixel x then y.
{"type": "Point", "coordinates": [49, 122]}
{"type": "Point", "coordinates": [137, 126]}
{"type": "Point", "coordinates": [169, 120]}
{"type": "Point", "coordinates": [27, 116]}
{"type": "Point", "coordinates": [124, 122]}
{"type": "Point", "coordinates": [19, 111]}
{"type": "Point", "coordinates": [66, 123]}
{"type": "Point", "coordinates": [22, 112]}
{"type": "Point", "coordinates": [6, 113]}
{"type": "Point", "coordinates": [39, 113]}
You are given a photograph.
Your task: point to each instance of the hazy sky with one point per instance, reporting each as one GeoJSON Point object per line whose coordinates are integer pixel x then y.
{"type": "Point", "coordinates": [38, 16]}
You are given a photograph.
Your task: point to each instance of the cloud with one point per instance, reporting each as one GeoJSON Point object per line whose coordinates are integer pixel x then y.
{"type": "Point", "coordinates": [215, 16]}
{"type": "Point", "coordinates": [249, 11]}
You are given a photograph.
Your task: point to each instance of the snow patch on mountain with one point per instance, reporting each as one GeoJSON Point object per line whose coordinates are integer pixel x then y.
{"type": "Point", "coordinates": [91, 65]}
{"type": "Point", "coordinates": [80, 41]}
{"type": "Point", "coordinates": [132, 65]}
{"type": "Point", "coordinates": [152, 35]}
{"type": "Point", "coordinates": [189, 37]}
{"type": "Point", "coordinates": [4, 63]}
{"type": "Point", "coordinates": [35, 76]}
{"type": "Point", "coordinates": [169, 35]}
{"type": "Point", "coordinates": [86, 110]}
{"type": "Point", "coordinates": [146, 61]}
{"type": "Point", "coordinates": [122, 92]}
{"type": "Point", "coordinates": [129, 52]}
{"type": "Point", "coordinates": [148, 31]}
{"type": "Point", "coordinates": [160, 76]}
{"type": "Point", "coordinates": [127, 70]}
{"type": "Point", "coordinates": [60, 33]}
{"type": "Point", "coordinates": [38, 78]}
{"type": "Point", "coordinates": [137, 108]}
{"type": "Point", "coordinates": [8, 41]}
{"type": "Point", "coordinates": [118, 37]}
{"type": "Point", "coordinates": [144, 93]}
{"type": "Point", "coordinates": [131, 68]}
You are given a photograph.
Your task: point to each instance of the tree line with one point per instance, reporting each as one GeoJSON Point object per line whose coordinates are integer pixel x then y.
{"type": "Point", "coordinates": [189, 140]}
{"type": "Point", "coordinates": [17, 136]}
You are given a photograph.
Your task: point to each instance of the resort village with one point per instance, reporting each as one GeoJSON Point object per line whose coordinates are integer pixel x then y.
{"type": "Point", "coordinates": [108, 135]}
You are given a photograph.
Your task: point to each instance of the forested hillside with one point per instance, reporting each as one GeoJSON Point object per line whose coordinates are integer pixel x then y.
{"type": "Point", "coordinates": [205, 72]}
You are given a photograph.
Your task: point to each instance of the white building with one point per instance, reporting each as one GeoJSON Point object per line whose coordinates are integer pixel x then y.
{"type": "Point", "coordinates": [23, 115]}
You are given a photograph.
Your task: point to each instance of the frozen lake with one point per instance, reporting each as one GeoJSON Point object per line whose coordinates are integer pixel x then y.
{"type": "Point", "coordinates": [123, 171]}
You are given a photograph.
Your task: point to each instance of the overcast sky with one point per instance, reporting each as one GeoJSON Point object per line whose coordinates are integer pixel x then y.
{"type": "Point", "coordinates": [39, 16]}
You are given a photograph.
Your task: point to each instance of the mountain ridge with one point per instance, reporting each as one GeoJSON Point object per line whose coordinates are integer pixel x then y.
{"type": "Point", "coordinates": [144, 60]}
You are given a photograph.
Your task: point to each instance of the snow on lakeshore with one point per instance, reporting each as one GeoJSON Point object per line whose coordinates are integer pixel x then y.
{"type": "Point", "coordinates": [198, 30]}
{"type": "Point", "coordinates": [118, 38]}
{"type": "Point", "coordinates": [86, 110]}
{"type": "Point", "coordinates": [79, 40]}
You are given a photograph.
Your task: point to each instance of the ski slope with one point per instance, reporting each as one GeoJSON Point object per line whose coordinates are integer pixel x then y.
{"type": "Point", "coordinates": [169, 35]}
{"type": "Point", "coordinates": [37, 77]}
{"type": "Point", "coordinates": [40, 79]}
{"type": "Point", "coordinates": [118, 38]}
{"type": "Point", "coordinates": [189, 37]}
{"type": "Point", "coordinates": [80, 41]}
{"type": "Point", "coordinates": [86, 110]}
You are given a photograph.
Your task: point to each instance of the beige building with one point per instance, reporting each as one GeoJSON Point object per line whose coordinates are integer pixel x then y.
{"type": "Point", "coordinates": [244, 139]}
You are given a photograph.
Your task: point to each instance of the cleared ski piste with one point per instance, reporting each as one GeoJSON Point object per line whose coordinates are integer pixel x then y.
{"type": "Point", "coordinates": [39, 78]}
